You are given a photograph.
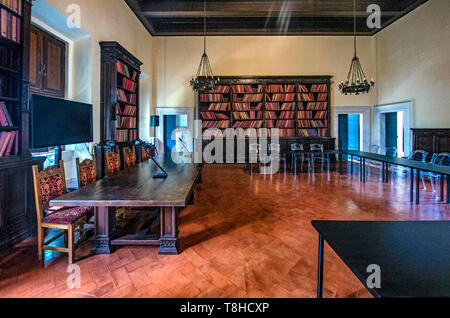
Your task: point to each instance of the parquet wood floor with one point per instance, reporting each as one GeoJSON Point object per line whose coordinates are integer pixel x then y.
{"type": "Point", "coordinates": [244, 237]}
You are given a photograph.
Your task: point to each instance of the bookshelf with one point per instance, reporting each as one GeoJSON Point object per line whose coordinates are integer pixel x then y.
{"type": "Point", "coordinates": [298, 105]}
{"type": "Point", "coordinates": [119, 112]}
{"type": "Point", "coordinates": [17, 210]}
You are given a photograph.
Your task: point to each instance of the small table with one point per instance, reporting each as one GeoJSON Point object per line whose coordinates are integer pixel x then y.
{"type": "Point", "coordinates": [413, 256]}
{"type": "Point", "coordinates": [135, 187]}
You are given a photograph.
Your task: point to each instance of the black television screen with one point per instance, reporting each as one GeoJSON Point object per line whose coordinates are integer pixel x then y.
{"type": "Point", "coordinates": [59, 122]}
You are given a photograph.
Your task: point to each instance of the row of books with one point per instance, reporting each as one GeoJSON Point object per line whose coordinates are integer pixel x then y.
{"type": "Point", "coordinates": [123, 135]}
{"type": "Point", "coordinates": [212, 115]}
{"type": "Point", "coordinates": [5, 118]}
{"type": "Point", "coordinates": [246, 106]}
{"type": "Point", "coordinates": [283, 115]}
{"type": "Point", "coordinates": [276, 106]}
{"type": "Point", "coordinates": [280, 97]}
{"type": "Point", "coordinates": [14, 5]}
{"type": "Point", "coordinates": [127, 110]}
{"type": "Point", "coordinates": [322, 97]}
{"type": "Point", "coordinates": [213, 98]}
{"type": "Point", "coordinates": [313, 123]}
{"type": "Point", "coordinates": [316, 105]}
{"type": "Point", "coordinates": [126, 122]}
{"type": "Point", "coordinates": [248, 124]}
{"type": "Point", "coordinates": [280, 124]}
{"type": "Point", "coordinates": [308, 114]}
{"type": "Point", "coordinates": [252, 98]}
{"type": "Point", "coordinates": [216, 124]}
{"type": "Point", "coordinates": [224, 89]}
{"type": "Point", "coordinates": [319, 88]}
{"type": "Point", "coordinates": [278, 88]}
{"type": "Point", "coordinates": [246, 132]}
{"type": "Point", "coordinates": [312, 132]}
{"type": "Point", "coordinates": [219, 107]}
{"type": "Point", "coordinates": [9, 26]}
{"type": "Point", "coordinates": [306, 97]}
{"type": "Point", "coordinates": [9, 58]}
{"type": "Point", "coordinates": [9, 143]}
{"type": "Point", "coordinates": [126, 98]}
{"type": "Point", "coordinates": [248, 115]}
{"type": "Point", "coordinates": [123, 69]}
{"type": "Point", "coordinates": [247, 89]}
{"type": "Point", "coordinates": [129, 85]}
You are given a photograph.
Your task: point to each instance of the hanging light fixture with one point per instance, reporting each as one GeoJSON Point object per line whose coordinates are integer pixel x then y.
{"type": "Point", "coordinates": [356, 82]}
{"type": "Point", "coordinates": [204, 80]}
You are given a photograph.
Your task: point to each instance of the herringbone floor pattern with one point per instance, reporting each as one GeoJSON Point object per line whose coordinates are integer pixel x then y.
{"type": "Point", "coordinates": [244, 237]}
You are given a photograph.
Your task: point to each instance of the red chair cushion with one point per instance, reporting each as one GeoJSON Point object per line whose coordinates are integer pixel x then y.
{"type": "Point", "coordinates": [67, 216]}
{"type": "Point", "coordinates": [113, 165]}
{"type": "Point", "coordinates": [131, 159]}
{"type": "Point", "coordinates": [88, 176]}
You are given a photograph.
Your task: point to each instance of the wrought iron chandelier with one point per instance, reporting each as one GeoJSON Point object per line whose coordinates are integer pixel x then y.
{"type": "Point", "coordinates": [204, 80]}
{"type": "Point", "coordinates": [356, 82]}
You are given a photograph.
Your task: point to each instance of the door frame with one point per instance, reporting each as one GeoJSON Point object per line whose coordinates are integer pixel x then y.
{"type": "Point", "coordinates": [365, 111]}
{"type": "Point", "coordinates": [161, 112]}
{"type": "Point", "coordinates": [379, 110]}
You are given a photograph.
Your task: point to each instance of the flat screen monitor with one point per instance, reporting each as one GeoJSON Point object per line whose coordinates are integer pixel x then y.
{"type": "Point", "coordinates": [59, 122]}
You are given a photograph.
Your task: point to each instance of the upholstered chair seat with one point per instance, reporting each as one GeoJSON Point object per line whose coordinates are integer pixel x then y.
{"type": "Point", "coordinates": [67, 216]}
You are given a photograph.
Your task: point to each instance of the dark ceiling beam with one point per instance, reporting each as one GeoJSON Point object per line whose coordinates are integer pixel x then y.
{"type": "Point", "coordinates": [136, 10]}
{"type": "Point", "coordinates": [149, 6]}
{"type": "Point", "coordinates": [258, 14]}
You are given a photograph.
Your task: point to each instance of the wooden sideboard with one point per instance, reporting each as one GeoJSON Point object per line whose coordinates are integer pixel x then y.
{"type": "Point", "coordinates": [433, 140]}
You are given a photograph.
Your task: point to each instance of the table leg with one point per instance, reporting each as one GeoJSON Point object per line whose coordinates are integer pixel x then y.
{"type": "Point", "coordinates": [169, 231]}
{"type": "Point", "coordinates": [105, 219]}
{"type": "Point", "coordinates": [411, 188]}
{"type": "Point", "coordinates": [448, 189]}
{"type": "Point", "coordinates": [364, 170]}
{"type": "Point", "coordinates": [360, 169]}
{"type": "Point", "coordinates": [320, 268]}
{"type": "Point", "coordinates": [383, 174]}
{"type": "Point", "coordinates": [442, 187]}
{"type": "Point", "coordinates": [351, 165]}
{"type": "Point", "coordinates": [313, 163]}
{"type": "Point", "coordinates": [341, 171]}
{"type": "Point", "coordinates": [418, 187]}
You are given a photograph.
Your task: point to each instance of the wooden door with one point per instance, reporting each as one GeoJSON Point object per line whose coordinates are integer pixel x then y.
{"type": "Point", "coordinates": [35, 60]}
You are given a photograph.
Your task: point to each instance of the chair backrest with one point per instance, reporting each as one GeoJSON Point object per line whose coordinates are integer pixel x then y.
{"type": "Point", "coordinates": [316, 147]}
{"type": "Point", "coordinates": [375, 149]}
{"type": "Point", "coordinates": [418, 155]}
{"type": "Point", "coordinates": [442, 159]}
{"type": "Point", "coordinates": [112, 162]}
{"type": "Point", "coordinates": [145, 153]}
{"type": "Point", "coordinates": [297, 147]}
{"type": "Point", "coordinates": [391, 152]}
{"type": "Point", "coordinates": [129, 156]}
{"type": "Point", "coordinates": [49, 184]}
{"type": "Point", "coordinates": [274, 148]}
{"type": "Point", "coordinates": [86, 172]}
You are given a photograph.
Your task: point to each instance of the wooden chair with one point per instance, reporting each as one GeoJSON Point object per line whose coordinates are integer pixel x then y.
{"type": "Point", "coordinates": [48, 185]}
{"type": "Point", "coordinates": [86, 172]}
{"type": "Point", "coordinates": [129, 156]}
{"type": "Point", "coordinates": [112, 162]}
{"type": "Point", "coordinates": [145, 153]}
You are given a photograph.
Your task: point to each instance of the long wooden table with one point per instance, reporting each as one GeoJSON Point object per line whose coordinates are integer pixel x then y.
{"type": "Point", "coordinates": [413, 256]}
{"type": "Point", "coordinates": [415, 166]}
{"type": "Point", "coordinates": [135, 187]}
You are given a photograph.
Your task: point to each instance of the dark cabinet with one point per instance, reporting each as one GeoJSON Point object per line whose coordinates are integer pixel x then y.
{"type": "Point", "coordinates": [431, 140]}
{"type": "Point", "coordinates": [47, 64]}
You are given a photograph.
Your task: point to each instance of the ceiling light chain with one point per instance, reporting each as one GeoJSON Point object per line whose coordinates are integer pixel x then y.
{"type": "Point", "coordinates": [356, 82]}
{"type": "Point", "coordinates": [204, 80]}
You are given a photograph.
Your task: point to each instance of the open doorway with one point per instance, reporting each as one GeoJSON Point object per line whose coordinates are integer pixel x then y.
{"type": "Point", "coordinates": [392, 128]}
{"type": "Point", "coordinates": [175, 132]}
{"type": "Point", "coordinates": [351, 127]}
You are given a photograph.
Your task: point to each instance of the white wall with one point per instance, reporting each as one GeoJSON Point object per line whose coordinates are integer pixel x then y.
{"type": "Point", "coordinates": [413, 64]}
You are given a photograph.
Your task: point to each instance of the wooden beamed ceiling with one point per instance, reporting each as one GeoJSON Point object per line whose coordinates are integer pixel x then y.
{"type": "Point", "coordinates": [265, 17]}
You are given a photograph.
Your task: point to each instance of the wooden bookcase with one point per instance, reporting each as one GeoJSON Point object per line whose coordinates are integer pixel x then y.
{"type": "Point", "coordinates": [119, 112]}
{"type": "Point", "coordinates": [17, 209]}
{"type": "Point", "coordinates": [300, 106]}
